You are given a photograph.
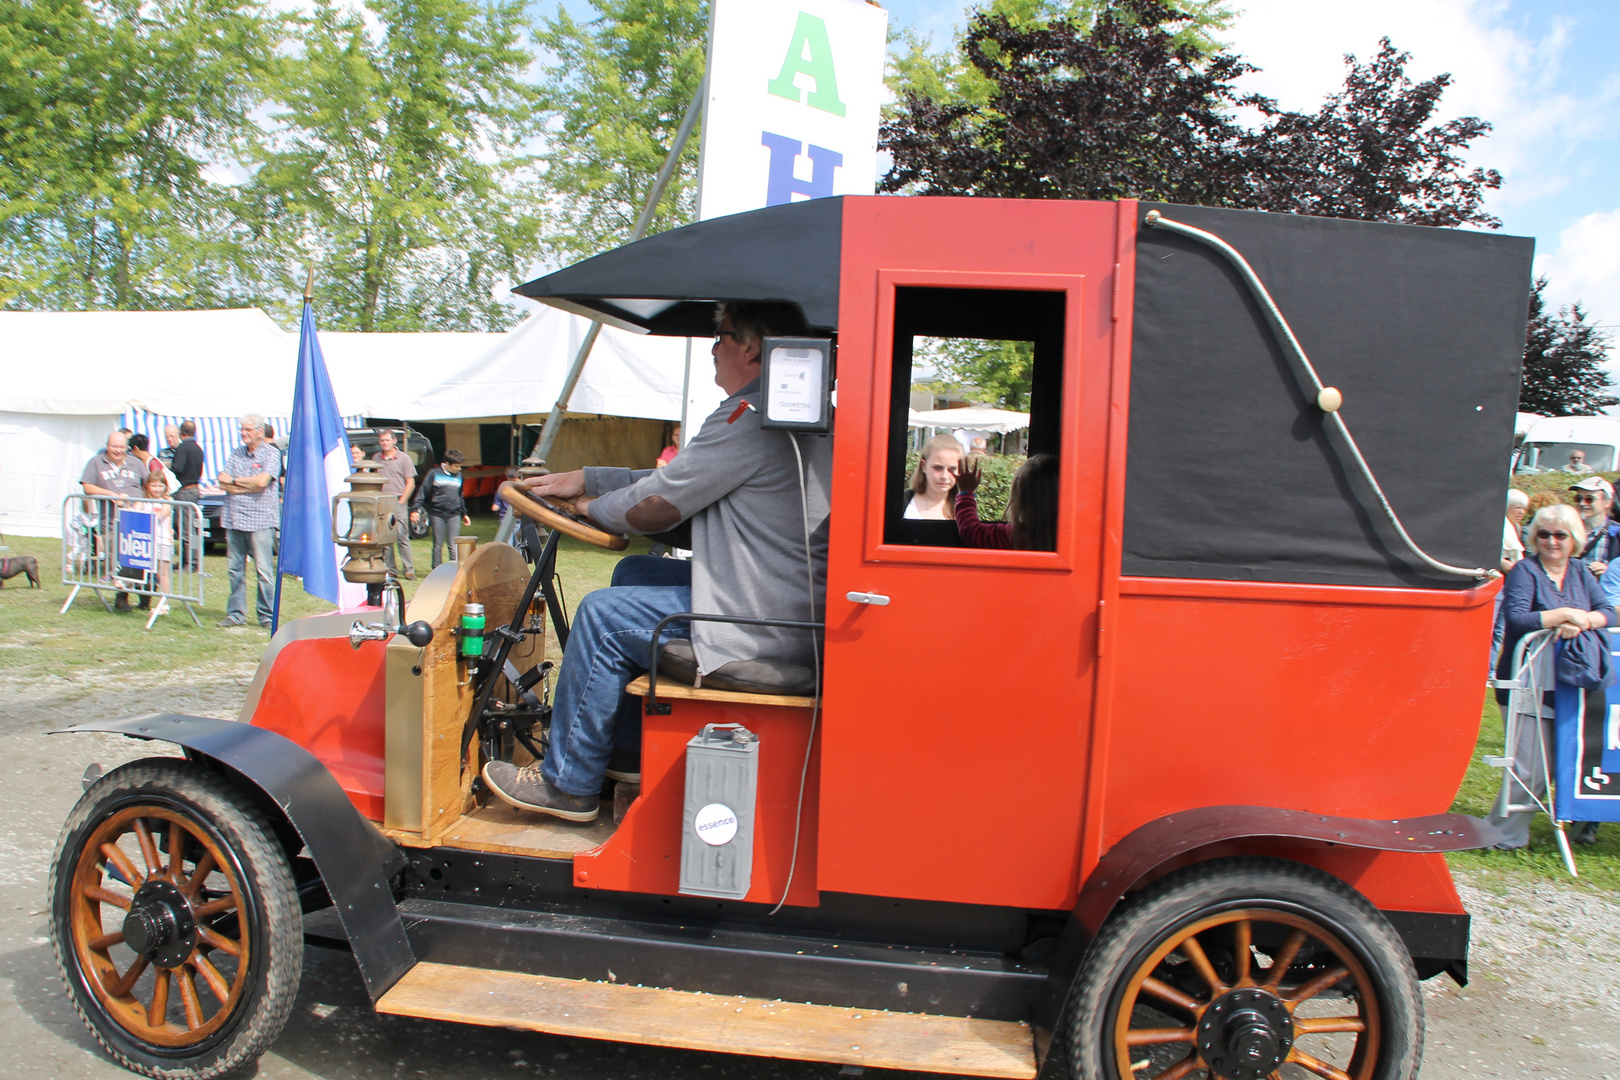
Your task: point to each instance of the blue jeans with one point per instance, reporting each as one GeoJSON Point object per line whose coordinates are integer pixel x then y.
{"type": "Point", "coordinates": [445, 531]}
{"type": "Point", "coordinates": [238, 546]}
{"type": "Point", "coordinates": [607, 647]}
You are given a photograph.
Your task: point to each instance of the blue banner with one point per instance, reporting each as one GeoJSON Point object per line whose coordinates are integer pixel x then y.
{"type": "Point", "coordinates": [1587, 755]}
{"type": "Point", "coordinates": [136, 547]}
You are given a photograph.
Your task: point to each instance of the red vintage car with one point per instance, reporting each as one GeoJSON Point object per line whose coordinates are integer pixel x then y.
{"type": "Point", "coordinates": [1168, 799]}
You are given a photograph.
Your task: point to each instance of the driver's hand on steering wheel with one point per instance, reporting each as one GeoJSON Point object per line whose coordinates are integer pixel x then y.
{"type": "Point", "coordinates": [565, 485]}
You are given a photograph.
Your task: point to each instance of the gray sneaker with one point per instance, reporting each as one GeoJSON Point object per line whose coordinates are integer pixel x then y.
{"type": "Point", "coordinates": [230, 621]}
{"type": "Point", "coordinates": [526, 789]}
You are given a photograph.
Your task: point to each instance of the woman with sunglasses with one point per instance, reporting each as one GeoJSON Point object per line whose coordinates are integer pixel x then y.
{"type": "Point", "coordinates": [1551, 589]}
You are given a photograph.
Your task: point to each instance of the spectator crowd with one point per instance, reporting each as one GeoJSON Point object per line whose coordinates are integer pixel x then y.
{"type": "Point", "coordinates": [130, 475]}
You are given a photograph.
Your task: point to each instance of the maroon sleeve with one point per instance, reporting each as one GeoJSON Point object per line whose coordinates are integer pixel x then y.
{"type": "Point", "coordinates": [976, 533]}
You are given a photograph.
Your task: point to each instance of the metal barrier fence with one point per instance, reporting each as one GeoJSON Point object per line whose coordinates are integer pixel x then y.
{"type": "Point", "coordinates": [148, 547]}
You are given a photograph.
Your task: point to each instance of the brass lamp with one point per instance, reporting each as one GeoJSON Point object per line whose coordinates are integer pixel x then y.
{"type": "Point", "coordinates": [365, 521]}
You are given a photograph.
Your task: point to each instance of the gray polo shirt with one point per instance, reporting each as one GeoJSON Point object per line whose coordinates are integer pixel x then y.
{"type": "Point", "coordinates": [738, 485]}
{"type": "Point", "coordinates": [397, 471]}
{"type": "Point", "coordinates": [121, 479]}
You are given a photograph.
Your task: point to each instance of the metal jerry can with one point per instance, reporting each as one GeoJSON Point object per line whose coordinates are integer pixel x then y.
{"type": "Point", "coordinates": [717, 826]}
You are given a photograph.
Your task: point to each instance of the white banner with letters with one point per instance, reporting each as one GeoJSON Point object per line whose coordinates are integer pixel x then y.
{"type": "Point", "coordinates": [793, 99]}
{"type": "Point", "coordinates": [794, 90]}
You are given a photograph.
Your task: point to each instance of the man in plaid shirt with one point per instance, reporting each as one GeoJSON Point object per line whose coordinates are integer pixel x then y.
{"type": "Point", "coordinates": [251, 515]}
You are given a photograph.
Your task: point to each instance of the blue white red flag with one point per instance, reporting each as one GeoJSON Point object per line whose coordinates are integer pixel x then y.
{"type": "Point", "coordinates": [317, 464]}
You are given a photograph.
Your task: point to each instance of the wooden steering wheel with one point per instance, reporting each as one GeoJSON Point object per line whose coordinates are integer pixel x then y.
{"type": "Point", "coordinates": [557, 514]}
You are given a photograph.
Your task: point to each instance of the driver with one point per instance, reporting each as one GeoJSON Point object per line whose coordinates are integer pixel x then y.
{"type": "Point", "coordinates": [738, 487]}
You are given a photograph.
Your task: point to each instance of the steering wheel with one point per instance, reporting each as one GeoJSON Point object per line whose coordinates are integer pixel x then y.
{"type": "Point", "coordinates": [558, 515]}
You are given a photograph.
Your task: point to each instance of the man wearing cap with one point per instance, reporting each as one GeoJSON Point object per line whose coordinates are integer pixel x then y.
{"type": "Point", "coordinates": [1594, 497]}
{"type": "Point", "coordinates": [758, 525]}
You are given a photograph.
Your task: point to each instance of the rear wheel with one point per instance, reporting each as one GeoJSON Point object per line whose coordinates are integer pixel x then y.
{"type": "Point", "coordinates": [1247, 969]}
{"type": "Point", "coordinates": [175, 920]}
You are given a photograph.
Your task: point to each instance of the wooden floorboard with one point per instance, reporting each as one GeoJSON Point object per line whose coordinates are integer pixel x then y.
{"type": "Point", "coordinates": [735, 1025]}
{"type": "Point", "coordinates": [500, 828]}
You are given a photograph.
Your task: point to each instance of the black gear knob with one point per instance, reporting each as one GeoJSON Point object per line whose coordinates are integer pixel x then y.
{"type": "Point", "coordinates": [418, 633]}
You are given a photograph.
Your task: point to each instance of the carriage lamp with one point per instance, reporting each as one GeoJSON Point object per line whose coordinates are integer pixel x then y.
{"type": "Point", "coordinates": [365, 521]}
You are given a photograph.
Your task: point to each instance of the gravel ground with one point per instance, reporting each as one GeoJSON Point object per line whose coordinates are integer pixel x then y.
{"type": "Point", "coordinates": [1544, 1000]}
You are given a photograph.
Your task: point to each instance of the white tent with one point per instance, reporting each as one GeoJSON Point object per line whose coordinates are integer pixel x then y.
{"type": "Point", "coordinates": [70, 377]}
{"type": "Point", "coordinates": [460, 376]}
{"type": "Point", "coordinates": [974, 418]}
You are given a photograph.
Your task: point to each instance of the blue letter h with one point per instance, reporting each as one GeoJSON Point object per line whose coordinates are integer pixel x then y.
{"type": "Point", "coordinates": [782, 184]}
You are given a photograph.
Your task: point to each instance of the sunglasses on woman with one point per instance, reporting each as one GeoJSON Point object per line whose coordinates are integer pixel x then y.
{"type": "Point", "coordinates": [1543, 534]}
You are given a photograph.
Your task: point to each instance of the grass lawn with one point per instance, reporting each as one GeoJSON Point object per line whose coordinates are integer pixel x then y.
{"type": "Point", "coordinates": [1599, 864]}
{"type": "Point", "coordinates": [36, 640]}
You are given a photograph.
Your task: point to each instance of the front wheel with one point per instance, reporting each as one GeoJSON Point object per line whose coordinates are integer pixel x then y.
{"type": "Point", "coordinates": [175, 920]}
{"type": "Point", "coordinates": [1247, 969]}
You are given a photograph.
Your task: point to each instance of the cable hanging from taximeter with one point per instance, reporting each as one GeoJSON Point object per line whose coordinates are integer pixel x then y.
{"type": "Point", "coordinates": [1327, 398]}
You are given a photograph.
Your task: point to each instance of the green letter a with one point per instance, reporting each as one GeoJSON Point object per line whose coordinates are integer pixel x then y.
{"type": "Point", "coordinates": [809, 53]}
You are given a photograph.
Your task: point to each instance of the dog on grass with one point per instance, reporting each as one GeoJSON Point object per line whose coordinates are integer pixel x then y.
{"type": "Point", "coordinates": [22, 564]}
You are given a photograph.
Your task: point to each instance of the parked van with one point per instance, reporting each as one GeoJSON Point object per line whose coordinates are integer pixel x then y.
{"type": "Point", "coordinates": [1549, 442]}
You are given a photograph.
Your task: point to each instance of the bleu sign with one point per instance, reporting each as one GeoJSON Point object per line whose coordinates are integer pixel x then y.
{"type": "Point", "coordinates": [136, 546]}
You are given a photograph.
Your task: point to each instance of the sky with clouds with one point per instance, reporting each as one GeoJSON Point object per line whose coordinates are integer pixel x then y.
{"type": "Point", "coordinates": [1543, 72]}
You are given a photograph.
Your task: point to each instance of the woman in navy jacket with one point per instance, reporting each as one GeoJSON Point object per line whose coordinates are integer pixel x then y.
{"type": "Point", "coordinates": [1549, 590]}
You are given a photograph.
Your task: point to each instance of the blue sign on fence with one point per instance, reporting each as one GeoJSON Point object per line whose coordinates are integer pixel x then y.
{"type": "Point", "coordinates": [136, 548]}
{"type": "Point", "coordinates": [1587, 730]}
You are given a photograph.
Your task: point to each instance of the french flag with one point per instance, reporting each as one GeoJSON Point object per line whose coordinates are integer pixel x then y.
{"type": "Point", "coordinates": [318, 463]}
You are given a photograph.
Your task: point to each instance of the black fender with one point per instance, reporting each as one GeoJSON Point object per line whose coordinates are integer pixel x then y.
{"type": "Point", "coordinates": [1155, 843]}
{"type": "Point", "coordinates": [355, 861]}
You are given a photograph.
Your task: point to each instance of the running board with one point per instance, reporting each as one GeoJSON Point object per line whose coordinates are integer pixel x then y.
{"type": "Point", "coordinates": [731, 1025]}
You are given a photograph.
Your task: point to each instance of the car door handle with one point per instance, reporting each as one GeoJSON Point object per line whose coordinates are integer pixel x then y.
{"type": "Point", "coordinates": [875, 599]}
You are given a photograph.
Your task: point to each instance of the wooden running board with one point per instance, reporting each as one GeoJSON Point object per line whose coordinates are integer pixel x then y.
{"type": "Point", "coordinates": [732, 1025]}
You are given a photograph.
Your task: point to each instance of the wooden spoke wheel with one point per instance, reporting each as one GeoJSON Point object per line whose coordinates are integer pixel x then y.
{"type": "Point", "coordinates": [558, 515]}
{"type": "Point", "coordinates": [175, 920]}
{"type": "Point", "coordinates": [1247, 969]}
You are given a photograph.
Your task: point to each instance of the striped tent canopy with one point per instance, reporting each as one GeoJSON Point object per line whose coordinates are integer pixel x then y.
{"type": "Point", "coordinates": [217, 435]}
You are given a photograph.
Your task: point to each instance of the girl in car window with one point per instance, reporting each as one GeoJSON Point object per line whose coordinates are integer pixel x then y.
{"type": "Point", "coordinates": [933, 481]}
{"type": "Point", "coordinates": [1031, 523]}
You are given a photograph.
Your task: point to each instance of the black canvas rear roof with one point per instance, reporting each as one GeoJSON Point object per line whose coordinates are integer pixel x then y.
{"type": "Point", "coordinates": [1230, 473]}
{"type": "Point", "coordinates": [668, 283]}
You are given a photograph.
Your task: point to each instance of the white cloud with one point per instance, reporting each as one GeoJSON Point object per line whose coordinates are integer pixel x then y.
{"type": "Point", "coordinates": [1585, 266]}
{"type": "Point", "coordinates": [1503, 71]}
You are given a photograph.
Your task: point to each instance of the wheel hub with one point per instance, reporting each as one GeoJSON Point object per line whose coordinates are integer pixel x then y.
{"type": "Point", "coordinates": [160, 925]}
{"type": "Point", "coordinates": [1245, 1034]}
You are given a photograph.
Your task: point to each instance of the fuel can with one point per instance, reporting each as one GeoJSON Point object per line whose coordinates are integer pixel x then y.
{"type": "Point", "coordinates": [717, 825]}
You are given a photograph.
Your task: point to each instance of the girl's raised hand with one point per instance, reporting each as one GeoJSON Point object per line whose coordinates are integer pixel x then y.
{"type": "Point", "coordinates": [967, 477]}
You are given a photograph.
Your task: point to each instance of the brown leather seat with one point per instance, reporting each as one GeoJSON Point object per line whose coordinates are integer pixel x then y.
{"type": "Point", "coordinates": [782, 677]}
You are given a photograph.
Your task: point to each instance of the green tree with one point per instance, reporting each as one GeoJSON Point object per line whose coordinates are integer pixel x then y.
{"type": "Point", "coordinates": [952, 77]}
{"type": "Point", "coordinates": [1564, 358]}
{"type": "Point", "coordinates": [993, 372]}
{"type": "Point", "coordinates": [395, 163]}
{"type": "Point", "coordinates": [113, 111]}
{"type": "Point", "coordinates": [614, 94]}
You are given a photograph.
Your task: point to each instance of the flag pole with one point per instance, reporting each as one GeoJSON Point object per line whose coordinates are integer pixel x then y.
{"type": "Point", "coordinates": [275, 611]}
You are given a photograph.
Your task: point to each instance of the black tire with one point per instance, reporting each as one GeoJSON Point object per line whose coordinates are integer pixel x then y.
{"type": "Point", "coordinates": [232, 878]}
{"type": "Point", "coordinates": [1210, 910]}
{"type": "Point", "coordinates": [421, 527]}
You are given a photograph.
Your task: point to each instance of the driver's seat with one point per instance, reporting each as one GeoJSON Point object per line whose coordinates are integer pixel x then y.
{"type": "Point", "coordinates": [783, 678]}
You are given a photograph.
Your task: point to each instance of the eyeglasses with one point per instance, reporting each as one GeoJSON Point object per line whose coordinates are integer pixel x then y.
{"type": "Point", "coordinates": [1586, 500]}
{"type": "Point", "coordinates": [1543, 534]}
{"type": "Point", "coordinates": [732, 334]}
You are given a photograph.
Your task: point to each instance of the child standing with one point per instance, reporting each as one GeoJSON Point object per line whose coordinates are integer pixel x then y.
{"type": "Point", "coordinates": [440, 495]}
{"type": "Point", "coordinates": [1031, 508]}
